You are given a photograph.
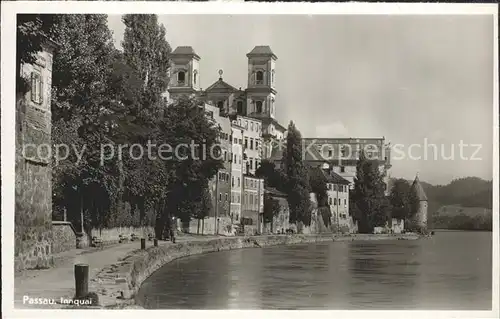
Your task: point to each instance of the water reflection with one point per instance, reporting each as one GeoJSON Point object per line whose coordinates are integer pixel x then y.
{"type": "Point", "coordinates": [425, 274]}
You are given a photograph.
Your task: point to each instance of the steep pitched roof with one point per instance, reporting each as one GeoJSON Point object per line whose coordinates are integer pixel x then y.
{"type": "Point", "coordinates": [330, 176]}
{"type": "Point", "coordinates": [185, 50]}
{"type": "Point", "coordinates": [221, 85]}
{"type": "Point", "coordinates": [261, 50]}
{"type": "Point", "coordinates": [419, 189]}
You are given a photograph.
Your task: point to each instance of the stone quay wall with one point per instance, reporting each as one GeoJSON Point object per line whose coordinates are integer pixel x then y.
{"type": "Point", "coordinates": [112, 235]}
{"type": "Point", "coordinates": [64, 236]}
{"type": "Point", "coordinates": [118, 284]}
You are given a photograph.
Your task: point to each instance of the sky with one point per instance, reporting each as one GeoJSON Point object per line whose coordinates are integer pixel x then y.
{"type": "Point", "coordinates": [415, 80]}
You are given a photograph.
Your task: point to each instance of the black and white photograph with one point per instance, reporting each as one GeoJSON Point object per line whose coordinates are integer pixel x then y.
{"type": "Point", "coordinates": [250, 157]}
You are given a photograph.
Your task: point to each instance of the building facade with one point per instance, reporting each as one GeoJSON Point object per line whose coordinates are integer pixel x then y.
{"type": "Point", "coordinates": [33, 210]}
{"type": "Point", "coordinates": [253, 205]}
{"type": "Point", "coordinates": [252, 143]}
{"type": "Point", "coordinates": [236, 171]}
{"type": "Point", "coordinates": [220, 185]}
{"type": "Point", "coordinates": [342, 154]}
{"type": "Point", "coordinates": [337, 191]}
{"type": "Point", "coordinates": [257, 101]}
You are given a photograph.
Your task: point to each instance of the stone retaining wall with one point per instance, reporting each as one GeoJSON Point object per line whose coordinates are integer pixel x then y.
{"type": "Point", "coordinates": [64, 235]}
{"type": "Point", "coordinates": [112, 235]}
{"type": "Point", "coordinates": [117, 284]}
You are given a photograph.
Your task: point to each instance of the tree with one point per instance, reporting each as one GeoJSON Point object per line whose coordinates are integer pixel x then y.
{"type": "Point", "coordinates": [297, 178]}
{"type": "Point", "coordinates": [272, 177]}
{"type": "Point", "coordinates": [185, 123]}
{"type": "Point", "coordinates": [147, 51]}
{"type": "Point", "coordinates": [403, 199]}
{"type": "Point", "coordinates": [272, 209]}
{"type": "Point", "coordinates": [370, 206]}
{"type": "Point", "coordinates": [79, 93]}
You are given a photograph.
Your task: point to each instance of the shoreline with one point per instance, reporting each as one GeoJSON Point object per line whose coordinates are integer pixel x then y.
{"type": "Point", "coordinates": [117, 285]}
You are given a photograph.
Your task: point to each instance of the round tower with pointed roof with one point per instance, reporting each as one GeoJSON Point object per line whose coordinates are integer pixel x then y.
{"type": "Point", "coordinates": [420, 218]}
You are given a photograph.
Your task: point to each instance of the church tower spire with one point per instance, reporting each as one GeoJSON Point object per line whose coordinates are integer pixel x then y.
{"type": "Point", "coordinates": [261, 91]}
{"type": "Point", "coordinates": [185, 77]}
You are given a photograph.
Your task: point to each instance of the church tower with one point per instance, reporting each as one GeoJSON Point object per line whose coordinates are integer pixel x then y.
{"type": "Point", "coordinates": [261, 90]}
{"type": "Point", "coordinates": [421, 215]}
{"type": "Point", "coordinates": [184, 76]}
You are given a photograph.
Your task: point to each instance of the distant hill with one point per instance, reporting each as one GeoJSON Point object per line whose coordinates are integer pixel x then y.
{"type": "Point", "coordinates": [464, 203]}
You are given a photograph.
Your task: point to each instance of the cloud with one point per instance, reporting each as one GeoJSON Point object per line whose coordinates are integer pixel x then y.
{"type": "Point", "coordinates": [335, 129]}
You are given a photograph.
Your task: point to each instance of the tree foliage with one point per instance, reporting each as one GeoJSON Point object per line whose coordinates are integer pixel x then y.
{"type": "Point", "coordinates": [272, 177]}
{"type": "Point", "coordinates": [104, 99]}
{"type": "Point", "coordinates": [272, 208]}
{"type": "Point", "coordinates": [297, 178]}
{"type": "Point", "coordinates": [404, 200]}
{"type": "Point", "coordinates": [369, 204]}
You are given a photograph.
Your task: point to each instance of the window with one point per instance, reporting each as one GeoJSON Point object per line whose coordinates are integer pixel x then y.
{"type": "Point", "coordinates": [259, 77]}
{"type": "Point", "coordinates": [226, 197]}
{"type": "Point", "coordinates": [330, 153]}
{"type": "Point", "coordinates": [195, 76]}
{"type": "Point", "coordinates": [329, 200]}
{"type": "Point", "coordinates": [258, 106]}
{"type": "Point", "coordinates": [251, 126]}
{"type": "Point", "coordinates": [256, 145]}
{"type": "Point", "coordinates": [220, 197]}
{"type": "Point", "coordinates": [235, 141]}
{"type": "Point", "coordinates": [36, 88]}
{"type": "Point", "coordinates": [342, 169]}
{"type": "Point", "coordinates": [272, 76]}
{"type": "Point", "coordinates": [232, 181]}
{"type": "Point", "coordinates": [239, 107]}
{"type": "Point", "coordinates": [251, 163]}
{"type": "Point", "coordinates": [246, 142]}
{"type": "Point", "coordinates": [181, 77]}
{"type": "Point", "coordinates": [238, 182]}
{"type": "Point", "coordinates": [235, 158]}
{"type": "Point", "coordinates": [220, 105]}
{"type": "Point", "coordinates": [251, 143]}
{"type": "Point", "coordinates": [335, 201]}
{"type": "Point", "coordinates": [239, 141]}
{"type": "Point", "coordinates": [345, 202]}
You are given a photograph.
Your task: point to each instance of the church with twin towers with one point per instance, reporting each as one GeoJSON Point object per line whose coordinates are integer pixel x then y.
{"type": "Point", "coordinates": [256, 101]}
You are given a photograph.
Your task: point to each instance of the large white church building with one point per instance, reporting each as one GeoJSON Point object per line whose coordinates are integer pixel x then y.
{"type": "Point", "coordinates": [257, 101]}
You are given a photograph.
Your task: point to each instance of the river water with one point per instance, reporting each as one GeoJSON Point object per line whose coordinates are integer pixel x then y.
{"type": "Point", "coordinates": [450, 271]}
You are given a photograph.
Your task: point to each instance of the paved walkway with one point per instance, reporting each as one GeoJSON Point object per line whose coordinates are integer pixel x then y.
{"type": "Point", "coordinates": [59, 281]}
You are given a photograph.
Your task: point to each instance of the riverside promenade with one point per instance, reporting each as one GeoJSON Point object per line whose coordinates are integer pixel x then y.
{"type": "Point", "coordinates": [59, 281]}
{"type": "Point", "coordinates": [113, 262]}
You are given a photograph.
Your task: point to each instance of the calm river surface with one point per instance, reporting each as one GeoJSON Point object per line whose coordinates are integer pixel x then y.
{"type": "Point", "coordinates": [451, 271]}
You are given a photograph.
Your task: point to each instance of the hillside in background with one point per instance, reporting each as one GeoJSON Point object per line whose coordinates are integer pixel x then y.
{"type": "Point", "coordinates": [464, 203]}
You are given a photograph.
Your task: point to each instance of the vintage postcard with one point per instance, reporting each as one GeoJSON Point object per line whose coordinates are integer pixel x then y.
{"type": "Point", "coordinates": [248, 156]}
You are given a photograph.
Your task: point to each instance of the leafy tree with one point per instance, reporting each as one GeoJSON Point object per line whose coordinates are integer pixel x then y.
{"type": "Point", "coordinates": [404, 200]}
{"type": "Point", "coordinates": [147, 51]}
{"type": "Point", "coordinates": [185, 123]}
{"type": "Point", "coordinates": [79, 93]}
{"type": "Point", "coordinates": [370, 206]}
{"type": "Point", "coordinates": [272, 209]}
{"type": "Point", "coordinates": [272, 177]}
{"type": "Point", "coordinates": [297, 178]}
